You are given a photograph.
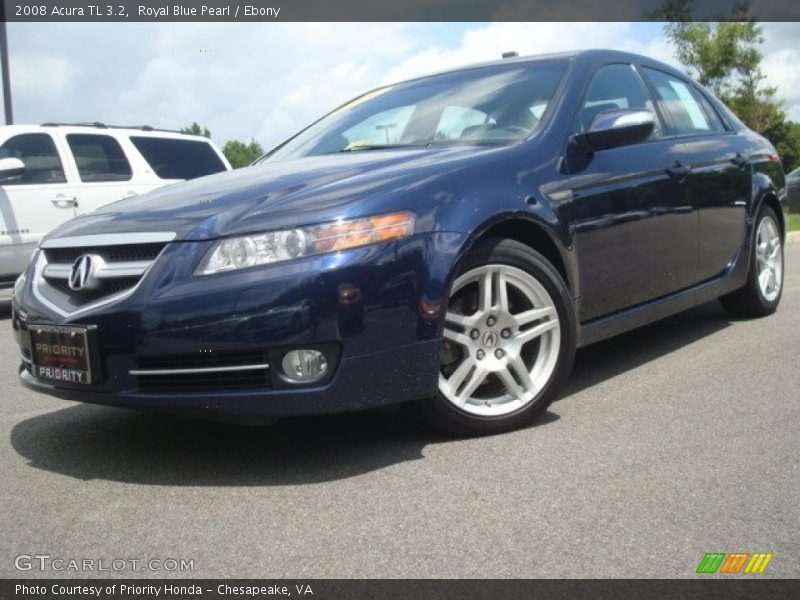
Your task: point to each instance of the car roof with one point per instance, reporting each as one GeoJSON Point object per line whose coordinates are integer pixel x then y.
{"type": "Point", "coordinates": [578, 56]}
{"type": "Point", "coordinates": [144, 130]}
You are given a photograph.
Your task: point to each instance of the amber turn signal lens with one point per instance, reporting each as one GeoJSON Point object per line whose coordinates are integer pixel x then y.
{"type": "Point", "coordinates": [360, 232]}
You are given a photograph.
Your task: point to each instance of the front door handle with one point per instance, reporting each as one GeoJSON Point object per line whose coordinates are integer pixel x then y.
{"type": "Point", "coordinates": [679, 171]}
{"type": "Point", "coordinates": [63, 201]}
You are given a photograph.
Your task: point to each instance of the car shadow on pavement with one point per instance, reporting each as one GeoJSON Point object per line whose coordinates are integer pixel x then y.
{"type": "Point", "coordinates": [94, 442]}
{"type": "Point", "coordinates": [611, 357]}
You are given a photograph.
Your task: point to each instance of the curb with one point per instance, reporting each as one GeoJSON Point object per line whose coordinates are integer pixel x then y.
{"type": "Point", "coordinates": [793, 237]}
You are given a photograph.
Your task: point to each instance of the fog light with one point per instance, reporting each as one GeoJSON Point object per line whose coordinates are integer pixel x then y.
{"type": "Point", "coordinates": [304, 366]}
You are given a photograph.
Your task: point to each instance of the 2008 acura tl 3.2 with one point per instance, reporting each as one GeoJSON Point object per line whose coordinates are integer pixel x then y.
{"type": "Point", "coordinates": [450, 240]}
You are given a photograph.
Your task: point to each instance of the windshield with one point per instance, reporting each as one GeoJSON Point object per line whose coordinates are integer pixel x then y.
{"type": "Point", "coordinates": [490, 105]}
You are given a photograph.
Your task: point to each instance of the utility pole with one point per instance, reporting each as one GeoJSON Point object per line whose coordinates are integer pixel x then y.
{"type": "Point", "coordinates": [4, 66]}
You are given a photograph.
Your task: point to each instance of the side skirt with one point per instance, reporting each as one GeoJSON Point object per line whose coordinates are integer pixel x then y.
{"type": "Point", "coordinates": [733, 278]}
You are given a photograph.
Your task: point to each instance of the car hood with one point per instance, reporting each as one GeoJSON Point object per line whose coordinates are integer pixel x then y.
{"type": "Point", "coordinates": [274, 195]}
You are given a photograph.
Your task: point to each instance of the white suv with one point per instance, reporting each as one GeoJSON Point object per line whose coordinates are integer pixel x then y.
{"type": "Point", "coordinates": [51, 173]}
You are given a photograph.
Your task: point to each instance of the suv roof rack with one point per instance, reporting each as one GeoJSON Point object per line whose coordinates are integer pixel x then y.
{"type": "Point", "coordinates": [99, 125]}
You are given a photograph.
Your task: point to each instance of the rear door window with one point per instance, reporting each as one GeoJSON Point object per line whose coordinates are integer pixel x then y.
{"type": "Point", "coordinates": [172, 158]}
{"type": "Point", "coordinates": [683, 105]}
{"type": "Point", "coordinates": [99, 158]}
{"type": "Point", "coordinates": [39, 153]}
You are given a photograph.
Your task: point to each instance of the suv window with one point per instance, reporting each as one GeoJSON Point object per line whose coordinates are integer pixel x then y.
{"type": "Point", "coordinates": [612, 87]}
{"type": "Point", "coordinates": [99, 157]}
{"type": "Point", "coordinates": [178, 159]}
{"type": "Point", "coordinates": [682, 104]}
{"type": "Point", "coordinates": [38, 152]}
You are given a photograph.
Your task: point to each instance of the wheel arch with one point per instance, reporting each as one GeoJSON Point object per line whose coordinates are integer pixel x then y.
{"type": "Point", "coordinates": [534, 233]}
{"type": "Point", "coordinates": [768, 178]}
{"type": "Point", "coordinates": [771, 200]}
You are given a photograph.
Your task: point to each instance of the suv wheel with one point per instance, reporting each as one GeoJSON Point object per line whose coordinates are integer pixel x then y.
{"type": "Point", "coordinates": [762, 292]}
{"type": "Point", "coordinates": [509, 341]}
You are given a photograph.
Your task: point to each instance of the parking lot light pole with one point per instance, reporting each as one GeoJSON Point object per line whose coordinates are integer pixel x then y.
{"type": "Point", "coordinates": [4, 66]}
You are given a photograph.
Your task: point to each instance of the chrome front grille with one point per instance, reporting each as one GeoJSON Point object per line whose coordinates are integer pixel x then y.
{"type": "Point", "coordinates": [113, 254]}
{"type": "Point", "coordinates": [107, 288]}
{"type": "Point", "coordinates": [112, 267]}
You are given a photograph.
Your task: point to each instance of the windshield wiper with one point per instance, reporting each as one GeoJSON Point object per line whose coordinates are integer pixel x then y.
{"type": "Point", "coordinates": [380, 147]}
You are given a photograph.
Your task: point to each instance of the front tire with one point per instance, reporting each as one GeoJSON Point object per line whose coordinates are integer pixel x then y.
{"type": "Point", "coordinates": [509, 341]}
{"type": "Point", "coordinates": [761, 294]}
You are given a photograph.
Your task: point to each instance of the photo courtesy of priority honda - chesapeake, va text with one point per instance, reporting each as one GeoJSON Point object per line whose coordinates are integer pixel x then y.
{"type": "Point", "coordinates": [446, 242]}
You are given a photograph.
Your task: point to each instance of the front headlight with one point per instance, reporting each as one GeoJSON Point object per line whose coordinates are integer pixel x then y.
{"type": "Point", "coordinates": [276, 246]}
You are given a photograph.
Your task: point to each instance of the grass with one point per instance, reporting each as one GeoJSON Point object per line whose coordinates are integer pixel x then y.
{"type": "Point", "coordinates": [794, 222]}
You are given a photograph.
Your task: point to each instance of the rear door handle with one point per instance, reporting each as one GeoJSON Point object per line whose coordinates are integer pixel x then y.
{"type": "Point", "coordinates": [62, 201]}
{"type": "Point", "coordinates": [679, 171]}
{"type": "Point", "coordinates": [740, 160]}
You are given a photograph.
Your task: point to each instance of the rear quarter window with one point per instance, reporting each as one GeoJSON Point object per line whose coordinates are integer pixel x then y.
{"type": "Point", "coordinates": [178, 159]}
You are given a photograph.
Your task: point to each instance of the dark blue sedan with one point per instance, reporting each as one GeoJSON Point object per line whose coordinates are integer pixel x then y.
{"type": "Point", "coordinates": [449, 241]}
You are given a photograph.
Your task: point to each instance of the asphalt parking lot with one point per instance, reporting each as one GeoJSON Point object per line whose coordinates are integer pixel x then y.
{"type": "Point", "coordinates": [669, 442]}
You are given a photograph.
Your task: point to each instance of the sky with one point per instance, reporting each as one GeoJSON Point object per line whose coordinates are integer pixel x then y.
{"type": "Point", "coordinates": [267, 80]}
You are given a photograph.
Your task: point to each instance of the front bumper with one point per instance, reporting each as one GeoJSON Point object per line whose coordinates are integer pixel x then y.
{"type": "Point", "coordinates": [361, 382]}
{"type": "Point", "coordinates": [380, 306]}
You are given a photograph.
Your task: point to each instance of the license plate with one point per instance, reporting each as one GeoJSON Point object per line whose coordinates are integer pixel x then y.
{"type": "Point", "coordinates": [61, 353]}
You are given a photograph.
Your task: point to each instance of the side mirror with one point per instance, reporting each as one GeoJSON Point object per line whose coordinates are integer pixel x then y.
{"type": "Point", "coordinates": [11, 167]}
{"type": "Point", "coordinates": [615, 128]}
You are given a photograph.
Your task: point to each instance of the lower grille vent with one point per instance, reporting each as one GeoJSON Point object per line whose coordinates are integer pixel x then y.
{"type": "Point", "coordinates": [234, 380]}
{"type": "Point", "coordinates": [201, 371]}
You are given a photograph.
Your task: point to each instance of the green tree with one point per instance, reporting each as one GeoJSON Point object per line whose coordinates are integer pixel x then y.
{"type": "Point", "coordinates": [755, 103]}
{"type": "Point", "coordinates": [241, 154]}
{"type": "Point", "coordinates": [195, 129]}
{"type": "Point", "coordinates": [715, 53]}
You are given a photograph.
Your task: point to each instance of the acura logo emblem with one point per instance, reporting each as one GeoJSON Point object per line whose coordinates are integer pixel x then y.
{"type": "Point", "coordinates": [490, 339]}
{"type": "Point", "coordinates": [82, 275]}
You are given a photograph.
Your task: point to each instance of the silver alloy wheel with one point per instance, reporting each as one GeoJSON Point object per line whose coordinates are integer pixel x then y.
{"type": "Point", "coordinates": [769, 259]}
{"type": "Point", "coordinates": [507, 348]}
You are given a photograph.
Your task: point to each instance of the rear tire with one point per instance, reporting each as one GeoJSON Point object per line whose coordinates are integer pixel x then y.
{"type": "Point", "coordinates": [509, 341]}
{"type": "Point", "coordinates": [761, 294]}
